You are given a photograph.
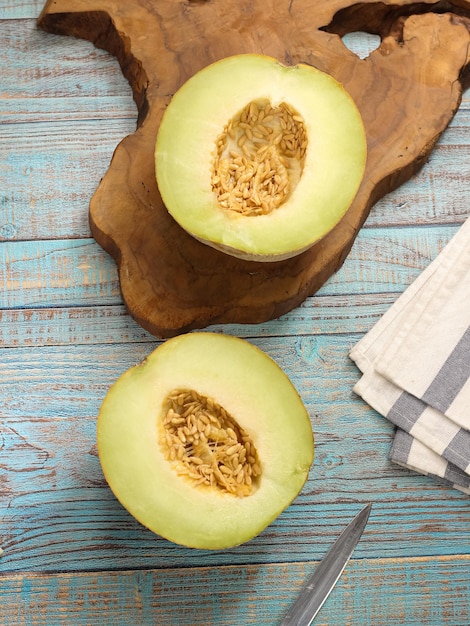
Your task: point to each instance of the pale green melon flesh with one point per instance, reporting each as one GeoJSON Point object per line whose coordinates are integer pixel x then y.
{"type": "Point", "coordinates": [254, 390]}
{"type": "Point", "coordinates": [332, 171]}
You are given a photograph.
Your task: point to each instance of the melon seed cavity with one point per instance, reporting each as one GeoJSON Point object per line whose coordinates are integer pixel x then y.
{"type": "Point", "coordinates": [204, 443]}
{"type": "Point", "coordinates": [260, 156]}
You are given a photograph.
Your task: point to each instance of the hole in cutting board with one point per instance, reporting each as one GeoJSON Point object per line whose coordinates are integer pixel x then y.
{"type": "Point", "coordinates": [383, 18]}
{"type": "Point", "coordinates": [361, 43]}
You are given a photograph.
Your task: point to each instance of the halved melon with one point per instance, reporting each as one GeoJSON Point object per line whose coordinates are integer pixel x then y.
{"type": "Point", "coordinates": [206, 442]}
{"type": "Point", "coordinates": [258, 159]}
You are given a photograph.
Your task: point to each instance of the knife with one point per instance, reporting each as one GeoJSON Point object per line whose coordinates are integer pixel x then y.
{"type": "Point", "coordinates": [327, 573]}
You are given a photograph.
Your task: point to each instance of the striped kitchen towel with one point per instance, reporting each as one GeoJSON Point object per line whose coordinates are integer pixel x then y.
{"type": "Point", "coordinates": [415, 365]}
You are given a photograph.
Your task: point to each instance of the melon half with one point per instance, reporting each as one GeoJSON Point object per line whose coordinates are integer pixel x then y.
{"type": "Point", "coordinates": [258, 159]}
{"type": "Point", "coordinates": [205, 442]}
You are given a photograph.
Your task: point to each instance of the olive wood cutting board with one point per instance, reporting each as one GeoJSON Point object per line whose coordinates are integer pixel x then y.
{"type": "Point", "coordinates": [407, 91]}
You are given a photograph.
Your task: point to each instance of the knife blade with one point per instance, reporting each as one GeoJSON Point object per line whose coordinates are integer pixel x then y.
{"type": "Point", "coordinates": [327, 573]}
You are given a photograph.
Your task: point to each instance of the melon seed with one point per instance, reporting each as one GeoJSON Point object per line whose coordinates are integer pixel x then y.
{"type": "Point", "coordinates": [260, 158]}
{"type": "Point", "coordinates": [204, 443]}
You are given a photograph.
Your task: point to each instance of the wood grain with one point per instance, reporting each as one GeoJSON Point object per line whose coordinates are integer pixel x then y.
{"type": "Point", "coordinates": [96, 325]}
{"type": "Point", "coordinates": [11, 10]}
{"type": "Point", "coordinates": [179, 596]}
{"type": "Point", "coordinates": [407, 92]}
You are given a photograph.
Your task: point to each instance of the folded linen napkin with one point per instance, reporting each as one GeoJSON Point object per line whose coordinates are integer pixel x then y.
{"type": "Point", "coordinates": [415, 365]}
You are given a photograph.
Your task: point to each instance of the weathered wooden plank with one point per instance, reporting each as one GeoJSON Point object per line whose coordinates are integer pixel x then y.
{"type": "Point", "coordinates": [40, 64]}
{"type": "Point", "coordinates": [11, 10]}
{"type": "Point", "coordinates": [60, 273]}
{"type": "Point", "coordinates": [78, 272]}
{"type": "Point", "coordinates": [437, 194]}
{"type": "Point", "coordinates": [119, 107]}
{"type": "Point", "coordinates": [387, 260]}
{"type": "Point", "coordinates": [393, 592]}
{"type": "Point", "coordinates": [49, 327]}
{"type": "Point", "coordinates": [108, 324]}
{"type": "Point", "coordinates": [47, 77]}
{"type": "Point", "coordinates": [48, 178]}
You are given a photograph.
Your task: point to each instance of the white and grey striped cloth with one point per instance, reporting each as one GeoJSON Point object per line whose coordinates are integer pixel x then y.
{"type": "Point", "coordinates": [415, 365]}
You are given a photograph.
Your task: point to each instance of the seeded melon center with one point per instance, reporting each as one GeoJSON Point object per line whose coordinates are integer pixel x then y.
{"type": "Point", "coordinates": [259, 160]}
{"type": "Point", "coordinates": [204, 443]}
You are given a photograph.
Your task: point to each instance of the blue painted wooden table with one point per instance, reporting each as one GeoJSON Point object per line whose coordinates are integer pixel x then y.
{"type": "Point", "coordinates": [71, 553]}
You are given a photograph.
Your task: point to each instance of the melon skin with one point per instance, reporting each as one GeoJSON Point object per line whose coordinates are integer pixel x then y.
{"type": "Point", "coordinates": [253, 389]}
{"type": "Point", "coordinates": [332, 173]}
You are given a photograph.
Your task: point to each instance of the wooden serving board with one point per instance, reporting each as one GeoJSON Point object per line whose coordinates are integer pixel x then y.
{"type": "Point", "coordinates": [407, 91]}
